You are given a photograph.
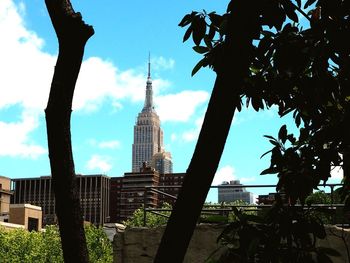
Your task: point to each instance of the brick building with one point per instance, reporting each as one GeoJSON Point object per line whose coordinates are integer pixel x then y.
{"type": "Point", "coordinates": [94, 192]}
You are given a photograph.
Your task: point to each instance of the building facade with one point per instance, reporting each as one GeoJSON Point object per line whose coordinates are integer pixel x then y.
{"type": "Point", "coordinates": [128, 193]}
{"type": "Point", "coordinates": [148, 135]}
{"type": "Point", "coordinates": [232, 191]}
{"type": "Point", "coordinates": [162, 162]}
{"type": "Point", "coordinates": [94, 192]}
{"type": "Point", "coordinates": [133, 194]}
{"type": "Point", "coordinates": [170, 184]}
{"type": "Point", "coordinates": [5, 198]}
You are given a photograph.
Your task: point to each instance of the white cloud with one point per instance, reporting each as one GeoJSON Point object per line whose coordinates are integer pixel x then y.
{"type": "Point", "coordinates": [225, 173]}
{"type": "Point", "coordinates": [99, 79]}
{"type": "Point", "coordinates": [27, 70]}
{"type": "Point", "coordinates": [109, 144]}
{"type": "Point", "coordinates": [337, 173]}
{"type": "Point", "coordinates": [180, 106]}
{"type": "Point", "coordinates": [192, 135]}
{"type": "Point", "coordinates": [99, 162]}
{"type": "Point", "coordinates": [14, 140]}
{"type": "Point", "coordinates": [173, 137]}
{"type": "Point", "coordinates": [112, 144]}
{"type": "Point", "coordinates": [161, 63]}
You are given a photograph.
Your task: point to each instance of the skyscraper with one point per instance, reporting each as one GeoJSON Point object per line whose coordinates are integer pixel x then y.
{"type": "Point", "coordinates": [148, 135]}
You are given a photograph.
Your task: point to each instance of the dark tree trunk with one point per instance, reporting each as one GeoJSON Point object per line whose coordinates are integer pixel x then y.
{"type": "Point", "coordinates": [72, 34]}
{"type": "Point", "coordinates": [212, 138]}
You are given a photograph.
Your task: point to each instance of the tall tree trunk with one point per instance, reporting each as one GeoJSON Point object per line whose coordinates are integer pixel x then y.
{"type": "Point", "coordinates": [72, 34]}
{"type": "Point", "coordinates": [224, 99]}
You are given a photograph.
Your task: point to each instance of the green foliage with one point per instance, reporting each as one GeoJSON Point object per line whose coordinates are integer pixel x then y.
{"type": "Point", "coordinates": [324, 214]}
{"type": "Point", "coordinates": [319, 197]}
{"type": "Point", "coordinates": [228, 215]}
{"type": "Point", "coordinates": [99, 246]}
{"type": "Point", "coordinates": [152, 220]}
{"type": "Point", "coordinates": [19, 245]}
{"type": "Point", "coordinates": [303, 70]}
{"type": "Point", "coordinates": [22, 246]}
{"type": "Point", "coordinates": [285, 234]}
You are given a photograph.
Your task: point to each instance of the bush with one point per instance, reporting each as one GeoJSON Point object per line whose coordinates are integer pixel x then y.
{"type": "Point", "coordinates": [19, 245]}
{"type": "Point", "coordinates": [152, 220]}
{"type": "Point", "coordinates": [226, 216]}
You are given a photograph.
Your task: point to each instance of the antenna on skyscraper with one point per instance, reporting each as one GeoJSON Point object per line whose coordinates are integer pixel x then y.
{"type": "Point", "coordinates": [149, 64]}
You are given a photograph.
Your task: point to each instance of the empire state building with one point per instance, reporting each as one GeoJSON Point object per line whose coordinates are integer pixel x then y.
{"type": "Point", "coordinates": [148, 136]}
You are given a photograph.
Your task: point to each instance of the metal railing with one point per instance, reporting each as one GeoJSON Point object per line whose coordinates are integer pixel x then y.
{"type": "Point", "coordinates": [225, 208]}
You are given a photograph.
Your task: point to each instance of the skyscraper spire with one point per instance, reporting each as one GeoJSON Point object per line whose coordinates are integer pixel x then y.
{"type": "Point", "coordinates": [149, 107]}
{"type": "Point", "coordinates": [149, 65]}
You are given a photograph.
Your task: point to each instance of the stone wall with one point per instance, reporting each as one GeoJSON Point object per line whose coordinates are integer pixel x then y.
{"type": "Point", "coordinates": [338, 239]}
{"type": "Point", "coordinates": [139, 245]}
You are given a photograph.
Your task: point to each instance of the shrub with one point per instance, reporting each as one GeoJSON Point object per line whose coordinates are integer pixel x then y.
{"type": "Point", "coordinates": [20, 245]}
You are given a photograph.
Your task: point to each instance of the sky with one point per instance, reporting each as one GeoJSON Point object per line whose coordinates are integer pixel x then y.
{"type": "Point", "coordinates": [110, 91]}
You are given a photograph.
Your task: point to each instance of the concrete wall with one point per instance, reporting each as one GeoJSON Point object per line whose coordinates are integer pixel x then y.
{"type": "Point", "coordinates": [338, 239]}
{"type": "Point", "coordinates": [140, 244]}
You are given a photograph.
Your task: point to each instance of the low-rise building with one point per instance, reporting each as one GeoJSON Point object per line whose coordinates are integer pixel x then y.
{"type": "Point", "coordinates": [30, 216]}
{"type": "Point", "coordinates": [233, 191]}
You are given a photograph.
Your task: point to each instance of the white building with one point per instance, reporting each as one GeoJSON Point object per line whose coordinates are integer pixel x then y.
{"type": "Point", "coordinates": [230, 192]}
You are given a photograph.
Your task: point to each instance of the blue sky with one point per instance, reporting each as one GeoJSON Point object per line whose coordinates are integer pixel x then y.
{"type": "Point", "coordinates": [111, 89]}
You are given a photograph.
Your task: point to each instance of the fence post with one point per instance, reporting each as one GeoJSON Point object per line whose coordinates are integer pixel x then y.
{"type": "Point", "coordinates": [144, 206]}
{"type": "Point", "coordinates": [332, 201]}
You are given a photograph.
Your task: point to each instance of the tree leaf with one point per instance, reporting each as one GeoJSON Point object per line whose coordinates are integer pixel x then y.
{"type": "Point", "coordinates": [265, 154]}
{"type": "Point", "coordinates": [270, 170]}
{"type": "Point", "coordinates": [200, 49]}
{"type": "Point", "coordinates": [198, 66]}
{"type": "Point", "coordinates": [274, 142]}
{"type": "Point", "coordinates": [270, 137]}
{"type": "Point", "coordinates": [185, 20]}
{"type": "Point", "coordinates": [187, 34]}
{"type": "Point", "coordinates": [282, 134]}
{"type": "Point", "coordinates": [199, 29]}
{"type": "Point", "coordinates": [256, 103]}
{"type": "Point", "coordinates": [308, 3]}
{"type": "Point", "coordinates": [207, 41]}
{"type": "Point", "coordinates": [290, 10]}
{"type": "Point", "coordinates": [215, 19]}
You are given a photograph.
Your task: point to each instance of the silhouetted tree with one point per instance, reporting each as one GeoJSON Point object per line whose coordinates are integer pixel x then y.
{"type": "Point", "coordinates": [301, 70]}
{"type": "Point", "coordinates": [232, 67]}
{"type": "Point", "coordinates": [72, 34]}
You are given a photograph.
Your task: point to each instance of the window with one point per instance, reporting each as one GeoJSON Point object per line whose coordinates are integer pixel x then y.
{"type": "Point", "coordinates": [33, 224]}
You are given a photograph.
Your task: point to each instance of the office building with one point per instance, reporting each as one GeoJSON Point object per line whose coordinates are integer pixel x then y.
{"type": "Point", "coordinates": [162, 162]}
{"type": "Point", "coordinates": [232, 191]}
{"type": "Point", "coordinates": [172, 184]}
{"type": "Point", "coordinates": [148, 135]}
{"type": "Point", "coordinates": [94, 191]}
{"type": "Point", "coordinates": [115, 203]}
{"type": "Point", "coordinates": [132, 195]}
{"type": "Point", "coordinates": [128, 192]}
